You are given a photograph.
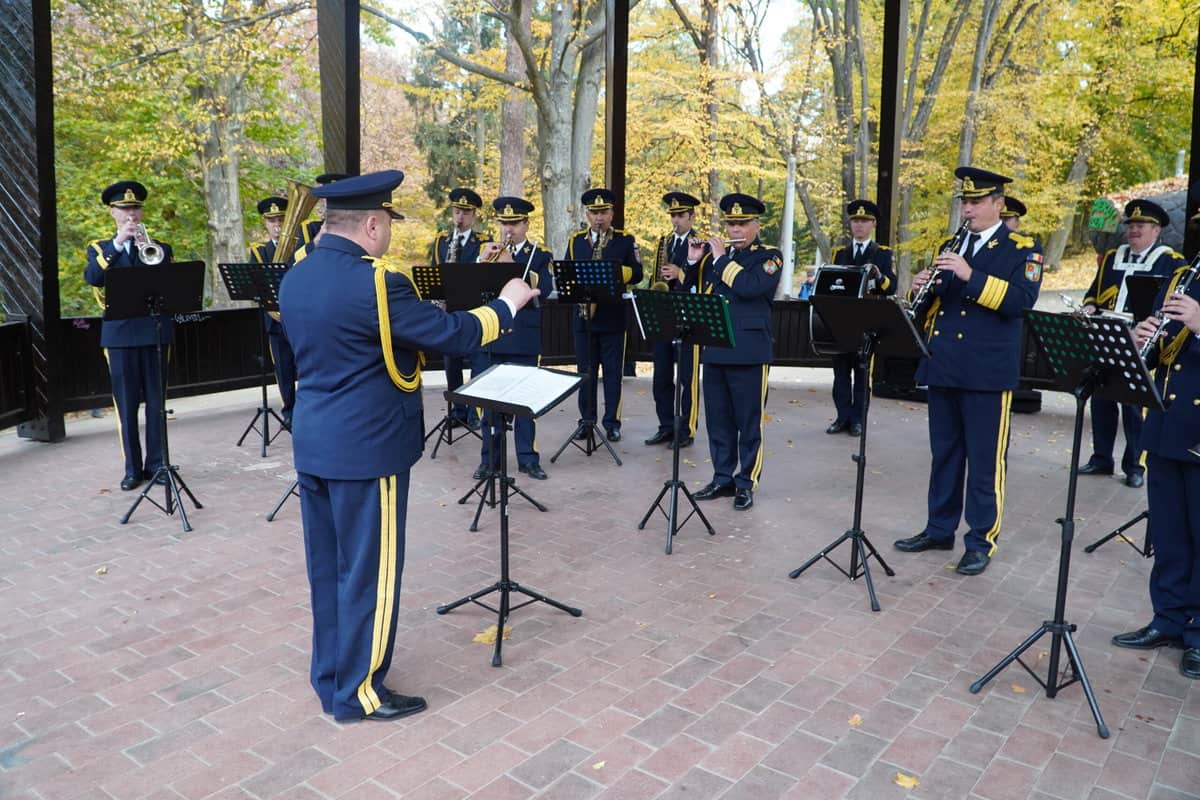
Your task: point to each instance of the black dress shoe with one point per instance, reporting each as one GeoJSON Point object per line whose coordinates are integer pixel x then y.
{"type": "Point", "coordinates": [1146, 638]}
{"type": "Point", "coordinates": [1135, 480]}
{"type": "Point", "coordinates": [129, 484]}
{"type": "Point", "coordinates": [973, 562]}
{"type": "Point", "coordinates": [613, 435]}
{"type": "Point", "coordinates": [395, 706]}
{"type": "Point", "coordinates": [686, 441]}
{"type": "Point", "coordinates": [582, 431]}
{"type": "Point", "coordinates": [743, 500]}
{"type": "Point", "coordinates": [837, 427]}
{"type": "Point", "coordinates": [480, 473]}
{"type": "Point", "coordinates": [715, 490]}
{"type": "Point", "coordinates": [474, 425]}
{"type": "Point", "coordinates": [855, 429]}
{"type": "Point", "coordinates": [1189, 665]}
{"type": "Point", "coordinates": [922, 542]}
{"type": "Point", "coordinates": [159, 479]}
{"type": "Point", "coordinates": [1092, 468]}
{"type": "Point", "coordinates": [660, 437]}
{"type": "Point", "coordinates": [534, 471]}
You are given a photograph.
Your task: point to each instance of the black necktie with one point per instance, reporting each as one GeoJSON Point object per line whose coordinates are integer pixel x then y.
{"type": "Point", "coordinates": [1135, 260]}
{"type": "Point", "coordinates": [972, 240]}
{"type": "Point", "coordinates": [858, 250]}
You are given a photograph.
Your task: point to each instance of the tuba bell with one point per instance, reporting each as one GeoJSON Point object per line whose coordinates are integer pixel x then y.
{"type": "Point", "coordinates": [300, 204]}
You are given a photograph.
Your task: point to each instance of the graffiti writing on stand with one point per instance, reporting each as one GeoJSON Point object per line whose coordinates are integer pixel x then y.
{"type": "Point", "coordinates": [194, 317]}
{"type": "Point", "coordinates": [82, 324]}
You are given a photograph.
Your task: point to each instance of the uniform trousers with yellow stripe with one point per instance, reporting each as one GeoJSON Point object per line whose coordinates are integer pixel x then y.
{"type": "Point", "coordinates": [734, 396]}
{"type": "Point", "coordinates": [968, 437]}
{"type": "Point", "coordinates": [354, 548]}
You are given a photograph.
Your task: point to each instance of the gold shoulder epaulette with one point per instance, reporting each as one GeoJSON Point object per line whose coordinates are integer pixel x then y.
{"type": "Point", "coordinates": [883, 247]}
{"type": "Point", "coordinates": [1020, 241]}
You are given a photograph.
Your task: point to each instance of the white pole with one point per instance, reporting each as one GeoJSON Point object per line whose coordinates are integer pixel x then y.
{"type": "Point", "coordinates": [785, 237]}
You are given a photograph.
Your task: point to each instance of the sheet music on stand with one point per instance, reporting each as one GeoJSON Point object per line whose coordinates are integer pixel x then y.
{"type": "Point", "coordinates": [517, 389]}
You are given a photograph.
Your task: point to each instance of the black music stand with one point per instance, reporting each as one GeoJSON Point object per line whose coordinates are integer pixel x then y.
{"type": "Point", "coordinates": [505, 390]}
{"type": "Point", "coordinates": [694, 319]}
{"type": "Point", "coordinates": [158, 291]}
{"type": "Point", "coordinates": [871, 326]}
{"type": "Point", "coordinates": [258, 283]}
{"type": "Point", "coordinates": [585, 282]}
{"type": "Point", "coordinates": [428, 280]}
{"type": "Point", "coordinates": [1088, 356]}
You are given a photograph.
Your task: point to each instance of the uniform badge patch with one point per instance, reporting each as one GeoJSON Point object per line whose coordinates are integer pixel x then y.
{"type": "Point", "coordinates": [772, 265]}
{"type": "Point", "coordinates": [1033, 267]}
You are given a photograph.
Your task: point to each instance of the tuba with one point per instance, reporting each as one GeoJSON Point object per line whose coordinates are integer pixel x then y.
{"type": "Point", "coordinates": [300, 205]}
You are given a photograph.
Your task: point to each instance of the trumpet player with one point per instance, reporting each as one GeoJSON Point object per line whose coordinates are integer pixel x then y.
{"type": "Point", "coordinates": [973, 329]}
{"type": "Point", "coordinates": [129, 344]}
{"type": "Point", "coordinates": [849, 378]}
{"type": "Point", "coordinates": [735, 379]}
{"type": "Point", "coordinates": [272, 211]}
{"type": "Point", "coordinates": [524, 344]}
{"type": "Point", "coordinates": [600, 240]}
{"type": "Point", "coordinates": [670, 262]}
{"type": "Point", "coordinates": [1174, 477]}
{"type": "Point", "coordinates": [1143, 254]}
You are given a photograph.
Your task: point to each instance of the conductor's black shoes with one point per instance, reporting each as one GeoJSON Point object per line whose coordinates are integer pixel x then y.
{"type": "Point", "coordinates": [973, 562]}
{"type": "Point", "coordinates": [1189, 665]}
{"type": "Point", "coordinates": [856, 429]}
{"type": "Point", "coordinates": [534, 471]}
{"type": "Point", "coordinates": [1135, 480]}
{"type": "Point", "coordinates": [395, 706]}
{"type": "Point", "coordinates": [1092, 468]}
{"type": "Point", "coordinates": [715, 490]}
{"type": "Point", "coordinates": [837, 427]}
{"type": "Point", "coordinates": [743, 500]}
{"type": "Point", "coordinates": [129, 484]}
{"type": "Point", "coordinates": [1146, 638]}
{"type": "Point", "coordinates": [660, 437]}
{"type": "Point", "coordinates": [922, 542]}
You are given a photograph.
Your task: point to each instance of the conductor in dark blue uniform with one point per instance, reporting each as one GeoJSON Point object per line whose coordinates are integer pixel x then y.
{"type": "Point", "coordinates": [357, 329]}
{"type": "Point", "coordinates": [1143, 254]}
{"type": "Point", "coordinates": [670, 262]}
{"type": "Point", "coordinates": [129, 344]}
{"type": "Point", "coordinates": [974, 335]}
{"type": "Point", "coordinates": [458, 245]}
{"type": "Point", "coordinates": [735, 379]}
{"type": "Point", "coordinates": [524, 344]}
{"type": "Point", "coordinates": [849, 378]}
{"type": "Point", "coordinates": [600, 240]}
{"type": "Point", "coordinates": [272, 211]}
{"type": "Point", "coordinates": [1172, 442]}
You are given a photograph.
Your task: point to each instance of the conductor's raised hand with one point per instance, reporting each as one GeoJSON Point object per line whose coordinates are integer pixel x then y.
{"type": "Point", "coordinates": [518, 292]}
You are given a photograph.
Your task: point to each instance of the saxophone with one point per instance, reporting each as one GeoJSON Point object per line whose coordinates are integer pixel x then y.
{"type": "Point", "coordinates": [588, 310]}
{"type": "Point", "coordinates": [452, 250]}
{"type": "Point", "coordinates": [657, 283]}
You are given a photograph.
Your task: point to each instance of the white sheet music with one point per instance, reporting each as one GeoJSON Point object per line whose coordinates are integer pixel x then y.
{"type": "Point", "coordinates": [533, 388]}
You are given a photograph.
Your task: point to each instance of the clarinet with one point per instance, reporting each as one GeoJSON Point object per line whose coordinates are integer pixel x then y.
{"type": "Point", "coordinates": [1181, 288]}
{"type": "Point", "coordinates": [951, 246]}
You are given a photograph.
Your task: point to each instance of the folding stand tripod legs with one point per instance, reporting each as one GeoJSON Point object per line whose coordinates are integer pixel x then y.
{"type": "Point", "coordinates": [1147, 548]}
{"type": "Point", "coordinates": [587, 431]}
{"type": "Point", "coordinates": [265, 412]}
{"type": "Point", "coordinates": [861, 549]}
{"type": "Point", "coordinates": [292, 490]}
{"type": "Point", "coordinates": [485, 487]}
{"type": "Point", "coordinates": [444, 430]}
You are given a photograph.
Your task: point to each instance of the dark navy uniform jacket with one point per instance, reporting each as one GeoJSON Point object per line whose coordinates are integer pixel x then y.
{"type": "Point", "coordinates": [103, 255]}
{"type": "Point", "coordinates": [975, 328]}
{"type": "Point", "coordinates": [1171, 432]}
{"type": "Point", "coordinates": [1106, 287]}
{"type": "Point", "coordinates": [526, 336]}
{"type": "Point", "coordinates": [352, 421]}
{"type": "Point", "coordinates": [747, 280]}
{"type": "Point", "coordinates": [621, 247]}
{"type": "Point", "coordinates": [876, 254]}
{"type": "Point", "coordinates": [468, 253]}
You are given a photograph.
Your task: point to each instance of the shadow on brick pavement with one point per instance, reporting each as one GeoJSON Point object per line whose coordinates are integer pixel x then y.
{"type": "Point", "coordinates": [139, 661]}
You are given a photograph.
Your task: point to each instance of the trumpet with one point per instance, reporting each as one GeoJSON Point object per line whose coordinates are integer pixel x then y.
{"type": "Point", "coordinates": [1181, 288]}
{"type": "Point", "coordinates": [918, 299]}
{"type": "Point", "coordinates": [149, 252]}
{"type": "Point", "coordinates": [507, 247]}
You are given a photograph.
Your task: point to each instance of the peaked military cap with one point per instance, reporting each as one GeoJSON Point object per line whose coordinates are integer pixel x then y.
{"type": "Point", "coordinates": [862, 209]}
{"type": "Point", "coordinates": [512, 209]}
{"type": "Point", "coordinates": [979, 182]}
{"type": "Point", "coordinates": [678, 202]}
{"type": "Point", "coordinates": [1013, 207]}
{"type": "Point", "coordinates": [363, 192]}
{"type": "Point", "coordinates": [272, 206]}
{"type": "Point", "coordinates": [737, 207]}
{"type": "Point", "coordinates": [598, 199]}
{"type": "Point", "coordinates": [465, 198]}
{"type": "Point", "coordinates": [124, 194]}
{"type": "Point", "coordinates": [1146, 211]}
{"type": "Point", "coordinates": [330, 177]}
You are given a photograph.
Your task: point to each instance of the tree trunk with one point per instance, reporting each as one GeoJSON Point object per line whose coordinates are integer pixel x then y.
{"type": "Point", "coordinates": [586, 110]}
{"type": "Point", "coordinates": [1075, 178]}
{"type": "Point", "coordinates": [220, 136]}
{"type": "Point", "coordinates": [513, 113]}
{"type": "Point", "coordinates": [970, 125]}
{"type": "Point", "coordinates": [709, 63]}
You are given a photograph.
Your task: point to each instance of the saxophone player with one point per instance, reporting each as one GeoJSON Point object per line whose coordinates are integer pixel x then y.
{"type": "Point", "coordinates": [671, 258]}
{"type": "Point", "coordinates": [981, 290]}
{"type": "Point", "coordinates": [129, 344]}
{"type": "Point", "coordinates": [600, 240]}
{"type": "Point", "coordinates": [455, 246]}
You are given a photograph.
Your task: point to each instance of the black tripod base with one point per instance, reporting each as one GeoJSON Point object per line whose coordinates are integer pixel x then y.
{"type": "Point", "coordinates": [444, 431]}
{"type": "Point", "coordinates": [168, 478]}
{"type": "Point", "coordinates": [292, 490]}
{"type": "Point", "coordinates": [1061, 631]}
{"type": "Point", "coordinates": [588, 438]}
{"type": "Point", "coordinates": [505, 588]}
{"type": "Point", "coordinates": [1145, 551]}
{"type": "Point", "coordinates": [485, 487]}
{"type": "Point", "coordinates": [860, 550]}
{"type": "Point", "coordinates": [265, 413]}
{"type": "Point", "coordinates": [672, 510]}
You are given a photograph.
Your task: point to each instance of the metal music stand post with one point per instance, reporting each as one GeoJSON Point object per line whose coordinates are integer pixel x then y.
{"type": "Point", "coordinates": [258, 283]}
{"type": "Point", "coordinates": [505, 390]}
{"type": "Point", "coordinates": [585, 282]}
{"type": "Point", "coordinates": [158, 291]}
{"type": "Point", "coordinates": [869, 326]}
{"type": "Point", "coordinates": [1088, 356]}
{"type": "Point", "coordinates": [683, 319]}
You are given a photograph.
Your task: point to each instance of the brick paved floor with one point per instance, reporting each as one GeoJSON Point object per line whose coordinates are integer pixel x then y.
{"type": "Point", "coordinates": [138, 661]}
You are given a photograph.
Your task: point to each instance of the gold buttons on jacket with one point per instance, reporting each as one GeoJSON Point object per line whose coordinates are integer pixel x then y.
{"type": "Point", "coordinates": [962, 313]}
{"type": "Point", "coordinates": [937, 333]}
{"type": "Point", "coordinates": [1171, 397]}
{"type": "Point", "coordinates": [1178, 367]}
{"type": "Point", "coordinates": [1196, 401]}
{"type": "Point", "coordinates": [958, 336]}
{"type": "Point", "coordinates": [941, 313]}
